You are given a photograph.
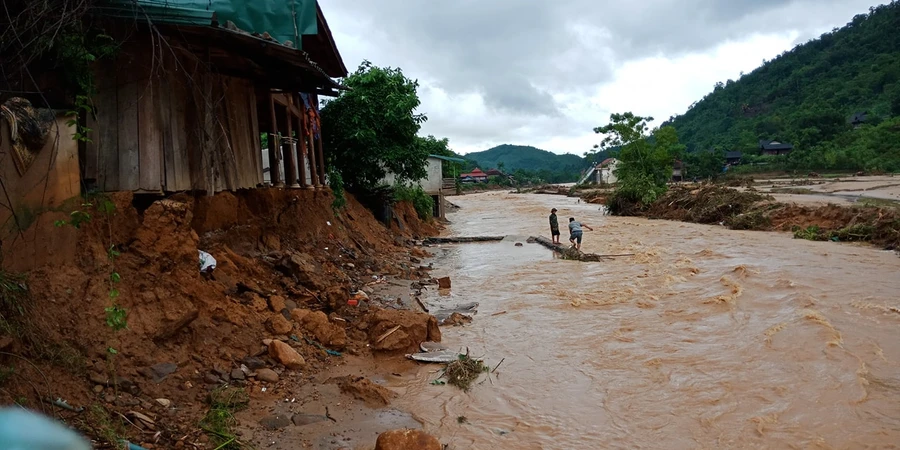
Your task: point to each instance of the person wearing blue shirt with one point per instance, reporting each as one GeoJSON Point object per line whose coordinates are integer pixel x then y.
{"type": "Point", "coordinates": [575, 232]}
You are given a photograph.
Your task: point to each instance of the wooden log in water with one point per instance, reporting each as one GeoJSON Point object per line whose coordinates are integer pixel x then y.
{"type": "Point", "coordinates": [566, 251]}
{"type": "Point", "coordinates": [463, 239]}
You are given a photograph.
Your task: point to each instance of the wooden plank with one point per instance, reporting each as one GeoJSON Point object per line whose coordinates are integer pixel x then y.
{"type": "Point", "coordinates": [167, 133]}
{"type": "Point", "coordinates": [246, 164]}
{"type": "Point", "coordinates": [180, 126]}
{"type": "Point", "coordinates": [106, 138]}
{"type": "Point", "coordinates": [149, 138]}
{"type": "Point", "coordinates": [274, 160]}
{"type": "Point", "coordinates": [128, 138]}
{"type": "Point", "coordinates": [255, 141]}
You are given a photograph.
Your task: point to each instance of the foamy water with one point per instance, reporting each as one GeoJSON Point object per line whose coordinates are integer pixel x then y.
{"type": "Point", "coordinates": [705, 338]}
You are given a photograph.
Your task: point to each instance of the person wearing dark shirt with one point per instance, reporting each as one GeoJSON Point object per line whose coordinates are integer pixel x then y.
{"type": "Point", "coordinates": [554, 226]}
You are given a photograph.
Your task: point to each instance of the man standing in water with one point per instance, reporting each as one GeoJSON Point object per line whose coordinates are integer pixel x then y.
{"type": "Point", "coordinates": [554, 226]}
{"type": "Point", "coordinates": [575, 232]}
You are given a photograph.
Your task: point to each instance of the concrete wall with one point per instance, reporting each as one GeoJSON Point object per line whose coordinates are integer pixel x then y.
{"type": "Point", "coordinates": [47, 191]}
{"type": "Point", "coordinates": [431, 183]}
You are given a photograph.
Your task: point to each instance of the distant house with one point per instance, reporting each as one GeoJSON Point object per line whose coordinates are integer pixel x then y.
{"type": "Point", "coordinates": [494, 173]}
{"type": "Point", "coordinates": [475, 176]}
{"type": "Point", "coordinates": [606, 171]}
{"type": "Point", "coordinates": [433, 184]}
{"type": "Point", "coordinates": [774, 148]}
{"type": "Point", "coordinates": [858, 119]}
{"type": "Point", "coordinates": [733, 158]}
{"type": "Point", "coordinates": [677, 171]}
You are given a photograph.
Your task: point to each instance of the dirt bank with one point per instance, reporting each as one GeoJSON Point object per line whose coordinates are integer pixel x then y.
{"type": "Point", "coordinates": [287, 266]}
{"type": "Point", "coordinates": [751, 210]}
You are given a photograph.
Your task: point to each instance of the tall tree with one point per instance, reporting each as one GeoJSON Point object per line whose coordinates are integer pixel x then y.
{"type": "Point", "coordinates": [371, 128]}
{"type": "Point", "coordinates": [645, 159]}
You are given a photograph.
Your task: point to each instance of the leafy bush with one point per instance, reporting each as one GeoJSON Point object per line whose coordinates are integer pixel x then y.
{"type": "Point", "coordinates": [422, 202]}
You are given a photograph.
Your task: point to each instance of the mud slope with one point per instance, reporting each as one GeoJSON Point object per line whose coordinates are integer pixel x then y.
{"type": "Point", "coordinates": [188, 332]}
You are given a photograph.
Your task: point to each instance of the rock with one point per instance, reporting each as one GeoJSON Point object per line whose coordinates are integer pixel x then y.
{"type": "Point", "coordinates": [253, 363]}
{"type": "Point", "coordinates": [290, 305]}
{"type": "Point", "coordinates": [406, 440]}
{"type": "Point", "coordinates": [322, 330]}
{"type": "Point", "coordinates": [277, 324]}
{"type": "Point", "coordinates": [457, 319]}
{"type": "Point", "coordinates": [162, 370]}
{"type": "Point", "coordinates": [258, 303]}
{"type": "Point", "coordinates": [414, 328]}
{"type": "Point", "coordinates": [286, 355]}
{"type": "Point", "coordinates": [98, 389]}
{"type": "Point", "coordinates": [519, 244]}
{"type": "Point", "coordinates": [306, 419]}
{"type": "Point", "coordinates": [109, 398]}
{"type": "Point", "coordinates": [164, 402]}
{"type": "Point", "coordinates": [267, 375]}
{"type": "Point", "coordinates": [275, 422]}
{"type": "Point", "coordinates": [276, 303]}
{"type": "Point", "coordinates": [304, 268]}
{"type": "Point", "coordinates": [444, 283]}
{"type": "Point", "coordinates": [237, 374]}
{"type": "Point", "coordinates": [362, 388]}
{"type": "Point", "coordinates": [211, 378]}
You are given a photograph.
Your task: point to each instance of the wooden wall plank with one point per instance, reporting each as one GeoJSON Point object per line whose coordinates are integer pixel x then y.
{"type": "Point", "coordinates": [128, 139]}
{"type": "Point", "coordinates": [255, 140]}
{"type": "Point", "coordinates": [149, 138]}
{"type": "Point", "coordinates": [167, 133]}
{"type": "Point", "coordinates": [106, 133]}
{"type": "Point", "coordinates": [181, 128]}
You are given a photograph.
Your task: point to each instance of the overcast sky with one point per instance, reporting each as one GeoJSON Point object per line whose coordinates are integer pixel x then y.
{"type": "Point", "coordinates": [542, 73]}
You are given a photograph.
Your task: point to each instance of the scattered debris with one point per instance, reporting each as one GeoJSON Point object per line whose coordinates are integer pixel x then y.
{"type": "Point", "coordinates": [442, 357]}
{"type": "Point", "coordinates": [464, 371]}
{"type": "Point", "coordinates": [444, 283]}
{"type": "Point", "coordinates": [406, 439]}
{"type": "Point", "coordinates": [207, 262]}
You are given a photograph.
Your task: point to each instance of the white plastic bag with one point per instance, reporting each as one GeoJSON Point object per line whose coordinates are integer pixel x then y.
{"type": "Point", "coordinates": [207, 262]}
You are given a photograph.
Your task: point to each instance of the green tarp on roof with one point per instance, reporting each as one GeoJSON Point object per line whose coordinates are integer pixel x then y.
{"type": "Point", "coordinates": [284, 20]}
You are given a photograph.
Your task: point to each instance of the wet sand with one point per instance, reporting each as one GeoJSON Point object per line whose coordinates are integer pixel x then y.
{"type": "Point", "coordinates": [706, 338]}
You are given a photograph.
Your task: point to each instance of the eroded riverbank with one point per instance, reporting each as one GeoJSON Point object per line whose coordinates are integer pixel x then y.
{"type": "Point", "coordinates": [707, 337]}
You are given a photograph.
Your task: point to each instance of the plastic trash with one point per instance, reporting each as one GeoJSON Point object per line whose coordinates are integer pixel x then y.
{"type": "Point", "coordinates": [207, 262]}
{"type": "Point", "coordinates": [24, 430]}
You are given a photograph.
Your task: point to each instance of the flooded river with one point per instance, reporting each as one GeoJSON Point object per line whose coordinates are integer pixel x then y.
{"type": "Point", "coordinates": [706, 338]}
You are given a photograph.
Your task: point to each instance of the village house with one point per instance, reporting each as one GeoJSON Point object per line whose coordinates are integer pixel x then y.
{"type": "Point", "coordinates": [677, 171]}
{"type": "Point", "coordinates": [434, 184]}
{"type": "Point", "coordinates": [181, 106]}
{"type": "Point", "coordinates": [733, 158]}
{"type": "Point", "coordinates": [475, 176]}
{"type": "Point", "coordinates": [774, 148]}
{"type": "Point", "coordinates": [602, 173]}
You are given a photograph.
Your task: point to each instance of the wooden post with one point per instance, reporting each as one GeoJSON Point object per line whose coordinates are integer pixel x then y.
{"type": "Point", "coordinates": [274, 160]}
{"type": "Point", "coordinates": [290, 170]}
{"type": "Point", "coordinates": [304, 141]}
{"type": "Point", "coordinates": [301, 145]}
{"type": "Point", "coordinates": [315, 98]}
{"type": "Point", "coordinates": [313, 161]}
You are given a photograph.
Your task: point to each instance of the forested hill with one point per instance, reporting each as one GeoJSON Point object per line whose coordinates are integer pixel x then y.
{"type": "Point", "coordinates": [529, 158]}
{"type": "Point", "coordinates": [806, 96]}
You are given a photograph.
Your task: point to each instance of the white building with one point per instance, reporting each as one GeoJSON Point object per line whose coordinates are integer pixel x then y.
{"type": "Point", "coordinates": [433, 183]}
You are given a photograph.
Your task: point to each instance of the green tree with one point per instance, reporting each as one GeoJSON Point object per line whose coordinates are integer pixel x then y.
{"type": "Point", "coordinates": [645, 159]}
{"type": "Point", "coordinates": [704, 164]}
{"type": "Point", "coordinates": [501, 166]}
{"type": "Point", "coordinates": [371, 128]}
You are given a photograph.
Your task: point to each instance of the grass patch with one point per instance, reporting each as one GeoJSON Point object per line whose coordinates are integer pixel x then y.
{"type": "Point", "coordinates": [105, 427]}
{"type": "Point", "coordinates": [219, 421]}
{"type": "Point", "coordinates": [796, 191]}
{"type": "Point", "coordinates": [464, 371]}
{"type": "Point", "coordinates": [878, 202]}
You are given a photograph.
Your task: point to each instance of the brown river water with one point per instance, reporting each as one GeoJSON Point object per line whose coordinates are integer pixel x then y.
{"type": "Point", "coordinates": [706, 338]}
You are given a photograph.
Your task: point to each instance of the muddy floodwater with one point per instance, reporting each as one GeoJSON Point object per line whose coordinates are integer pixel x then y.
{"type": "Point", "coordinates": [706, 338]}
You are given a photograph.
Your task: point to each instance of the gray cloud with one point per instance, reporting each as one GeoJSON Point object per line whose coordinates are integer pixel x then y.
{"type": "Point", "coordinates": [518, 54]}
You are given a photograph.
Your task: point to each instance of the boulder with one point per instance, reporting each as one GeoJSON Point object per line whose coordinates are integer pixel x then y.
{"type": "Point", "coordinates": [406, 440]}
{"type": "Point", "coordinates": [286, 355]}
{"type": "Point", "coordinates": [267, 375]}
{"type": "Point", "coordinates": [277, 303]}
{"type": "Point", "coordinates": [279, 325]}
{"type": "Point", "coordinates": [412, 328]}
{"type": "Point", "coordinates": [320, 328]}
{"type": "Point", "coordinates": [304, 268]}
